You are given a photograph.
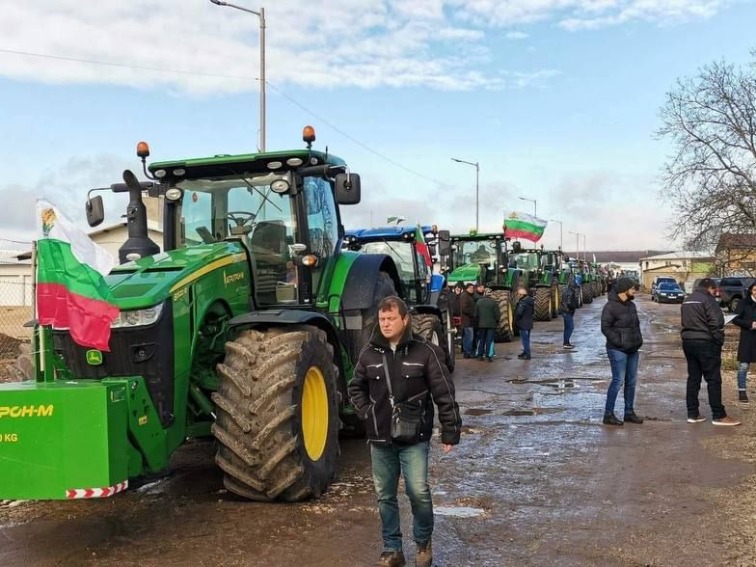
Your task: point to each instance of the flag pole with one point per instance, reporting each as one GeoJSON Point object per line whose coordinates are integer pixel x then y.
{"type": "Point", "coordinates": [38, 354]}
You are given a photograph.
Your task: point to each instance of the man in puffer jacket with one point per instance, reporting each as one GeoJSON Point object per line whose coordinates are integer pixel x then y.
{"type": "Point", "coordinates": [417, 374]}
{"type": "Point", "coordinates": [621, 327]}
{"type": "Point", "coordinates": [702, 339]}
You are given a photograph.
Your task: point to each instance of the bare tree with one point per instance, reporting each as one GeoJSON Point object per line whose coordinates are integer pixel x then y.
{"type": "Point", "coordinates": [711, 177]}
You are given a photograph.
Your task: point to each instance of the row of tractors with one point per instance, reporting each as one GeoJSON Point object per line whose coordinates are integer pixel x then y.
{"type": "Point", "coordinates": [243, 325]}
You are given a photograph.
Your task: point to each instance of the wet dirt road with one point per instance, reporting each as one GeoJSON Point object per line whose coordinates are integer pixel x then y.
{"type": "Point", "coordinates": [536, 480]}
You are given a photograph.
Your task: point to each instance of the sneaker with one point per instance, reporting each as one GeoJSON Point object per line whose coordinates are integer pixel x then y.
{"type": "Point", "coordinates": [568, 346]}
{"type": "Point", "coordinates": [424, 557]}
{"type": "Point", "coordinates": [611, 419]}
{"type": "Point", "coordinates": [726, 420]}
{"type": "Point", "coordinates": [696, 419]}
{"type": "Point", "coordinates": [526, 357]}
{"type": "Point", "coordinates": [742, 397]}
{"type": "Point", "coordinates": [392, 559]}
{"type": "Point", "coordinates": [489, 358]}
{"type": "Point", "coordinates": [633, 418]}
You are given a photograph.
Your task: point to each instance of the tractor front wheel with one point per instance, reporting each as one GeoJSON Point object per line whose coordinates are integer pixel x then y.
{"type": "Point", "coordinates": [542, 309]}
{"type": "Point", "coordinates": [429, 327]}
{"type": "Point", "coordinates": [277, 406]}
{"type": "Point", "coordinates": [505, 332]}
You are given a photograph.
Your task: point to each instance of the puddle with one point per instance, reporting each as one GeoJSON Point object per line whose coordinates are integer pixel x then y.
{"type": "Point", "coordinates": [458, 511]}
{"type": "Point", "coordinates": [478, 411]}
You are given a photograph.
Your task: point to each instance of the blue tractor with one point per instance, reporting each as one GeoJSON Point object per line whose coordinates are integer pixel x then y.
{"type": "Point", "coordinates": [421, 287]}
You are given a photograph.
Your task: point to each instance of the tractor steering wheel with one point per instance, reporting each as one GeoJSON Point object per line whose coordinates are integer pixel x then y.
{"type": "Point", "coordinates": [241, 218]}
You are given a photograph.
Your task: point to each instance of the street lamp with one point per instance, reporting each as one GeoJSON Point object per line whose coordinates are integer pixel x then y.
{"type": "Point", "coordinates": [560, 231]}
{"type": "Point", "coordinates": [261, 15]}
{"type": "Point", "coordinates": [477, 187]}
{"type": "Point", "coordinates": [577, 242]}
{"type": "Point", "coordinates": [535, 205]}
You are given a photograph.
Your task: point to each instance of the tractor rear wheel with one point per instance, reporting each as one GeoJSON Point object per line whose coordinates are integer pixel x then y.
{"type": "Point", "coordinates": [585, 289]}
{"type": "Point", "coordinates": [542, 309]}
{"type": "Point", "coordinates": [429, 327]}
{"type": "Point", "coordinates": [505, 332]}
{"type": "Point", "coordinates": [278, 422]}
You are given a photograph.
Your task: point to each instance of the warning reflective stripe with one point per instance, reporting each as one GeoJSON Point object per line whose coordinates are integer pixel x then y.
{"type": "Point", "coordinates": [75, 493]}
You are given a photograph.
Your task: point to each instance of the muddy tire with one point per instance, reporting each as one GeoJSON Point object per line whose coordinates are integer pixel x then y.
{"type": "Point", "coordinates": [429, 327]}
{"type": "Point", "coordinates": [505, 331]}
{"type": "Point", "coordinates": [542, 310]}
{"type": "Point", "coordinates": [585, 290]}
{"type": "Point", "coordinates": [556, 300]}
{"type": "Point", "coordinates": [277, 407]}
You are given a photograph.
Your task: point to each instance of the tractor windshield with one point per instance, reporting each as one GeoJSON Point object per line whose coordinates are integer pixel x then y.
{"type": "Point", "coordinates": [475, 252]}
{"type": "Point", "coordinates": [403, 254]}
{"type": "Point", "coordinates": [527, 261]}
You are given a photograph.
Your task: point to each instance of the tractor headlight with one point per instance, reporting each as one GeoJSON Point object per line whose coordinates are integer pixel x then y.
{"type": "Point", "coordinates": [138, 317]}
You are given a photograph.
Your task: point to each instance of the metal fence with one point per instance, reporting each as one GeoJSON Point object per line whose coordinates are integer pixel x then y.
{"type": "Point", "coordinates": [15, 311]}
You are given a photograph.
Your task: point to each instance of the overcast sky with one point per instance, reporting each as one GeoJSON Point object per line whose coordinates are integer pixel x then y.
{"type": "Point", "coordinates": [556, 99]}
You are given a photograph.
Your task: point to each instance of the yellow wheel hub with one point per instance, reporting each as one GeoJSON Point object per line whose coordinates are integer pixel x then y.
{"type": "Point", "coordinates": [314, 413]}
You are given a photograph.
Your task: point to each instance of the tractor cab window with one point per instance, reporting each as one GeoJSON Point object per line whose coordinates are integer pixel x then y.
{"type": "Point", "coordinates": [477, 252]}
{"type": "Point", "coordinates": [403, 254]}
{"type": "Point", "coordinates": [246, 209]}
{"type": "Point", "coordinates": [527, 261]}
{"type": "Point", "coordinates": [322, 222]}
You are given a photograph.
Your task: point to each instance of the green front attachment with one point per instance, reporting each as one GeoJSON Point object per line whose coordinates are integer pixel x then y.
{"type": "Point", "coordinates": [64, 439]}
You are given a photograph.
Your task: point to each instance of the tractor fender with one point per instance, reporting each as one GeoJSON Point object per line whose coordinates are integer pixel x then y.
{"type": "Point", "coordinates": [359, 288]}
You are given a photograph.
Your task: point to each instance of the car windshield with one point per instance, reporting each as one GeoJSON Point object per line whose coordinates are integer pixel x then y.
{"type": "Point", "coordinates": [666, 286]}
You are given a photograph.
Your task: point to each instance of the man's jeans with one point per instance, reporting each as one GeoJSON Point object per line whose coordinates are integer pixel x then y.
{"type": "Point", "coordinates": [467, 341]}
{"type": "Point", "coordinates": [624, 369]}
{"type": "Point", "coordinates": [525, 338]}
{"type": "Point", "coordinates": [704, 360]}
{"type": "Point", "coordinates": [412, 461]}
{"type": "Point", "coordinates": [485, 341]}
{"type": "Point", "coordinates": [743, 374]}
{"type": "Point", "coordinates": [569, 325]}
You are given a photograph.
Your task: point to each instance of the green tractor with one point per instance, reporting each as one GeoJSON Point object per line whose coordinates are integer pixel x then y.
{"type": "Point", "coordinates": [484, 258]}
{"type": "Point", "coordinates": [245, 327]}
{"type": "Point", "coordinates": [421, 288]}
{"type": "Point", "coordinates": [540, 270]}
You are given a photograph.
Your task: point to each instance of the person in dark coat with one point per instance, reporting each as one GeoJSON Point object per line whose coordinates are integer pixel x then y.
{"type": "Point", "coordinates": [398, 368]}
{"type": "Point", "coordinates": [702, 340]}
{"type": "Point", "coordinates": [567, 309]}
{"type": "Point", "coordinates": [487, 315]}
{"type": "Point", "coordinates": [621, 327]}
{"type": "Point", "coordinates": [524, 320]}
{"type": "Point", "coordinates": [467, 311]}
{"type": "Point", "coordinates": [746, 320]}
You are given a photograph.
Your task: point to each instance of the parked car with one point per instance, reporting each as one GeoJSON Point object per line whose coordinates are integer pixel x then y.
{"type": "Point", "coordinates": [733, 290]}
{"type": "Point", "coordinates": [668, 292]}
{"type": "Point", "coordinates": [659, 280]}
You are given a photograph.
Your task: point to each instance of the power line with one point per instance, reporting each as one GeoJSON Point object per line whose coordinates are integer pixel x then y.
{"type": "Point", "coordinates": [236, 77]}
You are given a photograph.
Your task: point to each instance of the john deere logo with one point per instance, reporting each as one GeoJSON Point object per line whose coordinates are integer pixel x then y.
{"type": "Point", "coordinates": [94, 357]}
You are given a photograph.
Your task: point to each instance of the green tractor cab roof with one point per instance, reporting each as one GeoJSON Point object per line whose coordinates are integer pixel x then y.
{"type": "Point", "coordinates": [198, 168]}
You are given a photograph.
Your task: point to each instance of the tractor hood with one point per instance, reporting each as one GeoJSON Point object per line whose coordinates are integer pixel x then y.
{"type": "Point", "coordinates": [148, 281]}
{"type": "Point", "coordinates": [465, 273]}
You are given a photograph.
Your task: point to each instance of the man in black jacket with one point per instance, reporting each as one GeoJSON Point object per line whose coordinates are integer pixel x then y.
{"type": "Point", "coordinates": [702, 340]}
{"type": "Point", "coordinates": [467, 310]}
{"type": "Point", "coordinates": [621, 327]}
{"type": "Point", "coordinates": [524, 320]}
{"type": "Point", "coordinates": [567, 308]}
{"type": "Point", "coordinates": [398, 367]}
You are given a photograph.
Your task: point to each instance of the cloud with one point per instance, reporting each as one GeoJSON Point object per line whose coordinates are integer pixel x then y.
{"type": "Point", "coordinates": [200, 48]}
{"type": "Point", "coordinates": [62, 186]}
{"type": "Point", "coordinates": [517, 35]}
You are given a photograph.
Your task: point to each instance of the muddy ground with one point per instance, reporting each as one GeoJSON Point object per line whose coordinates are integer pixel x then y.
{"type": "Point", "coordinates": [536, 480]}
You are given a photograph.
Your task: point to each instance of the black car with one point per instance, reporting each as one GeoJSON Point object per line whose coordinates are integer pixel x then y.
{"type": "Point", "coordinates": [667, 292]}
{"type": "Point", "coordinates": [733, 289]}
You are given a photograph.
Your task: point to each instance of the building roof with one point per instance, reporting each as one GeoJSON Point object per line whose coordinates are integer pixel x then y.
{"type": "Point", "coordinates": [729, 240]}
{"type": "Point", "coordinates": [681, 255]}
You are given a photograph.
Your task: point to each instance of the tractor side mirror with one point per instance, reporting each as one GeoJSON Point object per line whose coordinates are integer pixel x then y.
{"type": "Point", "coordinates": [347, 189]}
{"type": "Point", "coordinates": [95, 211]}
{"type": "Point", "coordinates": [444, 243]}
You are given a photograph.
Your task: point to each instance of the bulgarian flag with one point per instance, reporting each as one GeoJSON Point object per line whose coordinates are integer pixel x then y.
{"type": "Point", "coordinates": [421, 246]}
{"type": "Point", "coordinates": [71, 291]}
{"type": "Point", "coordinates": [523, 225]}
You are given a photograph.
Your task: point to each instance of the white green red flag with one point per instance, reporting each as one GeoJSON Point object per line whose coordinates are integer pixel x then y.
{"type": "Point", "coordinates": [421, 246]}
{"type": "Point", "coordinates": [523, 225]}
{"type": "Point", "coordinates": [71, 290]}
